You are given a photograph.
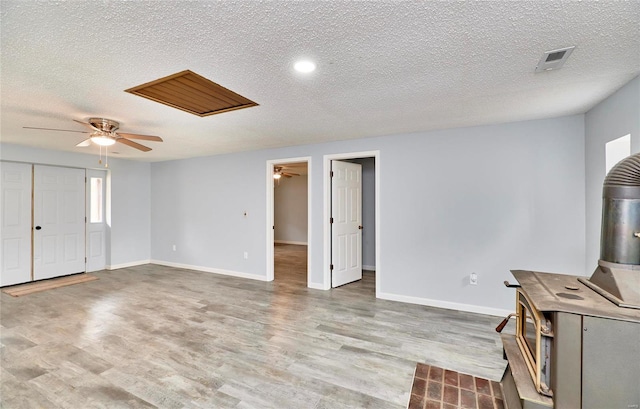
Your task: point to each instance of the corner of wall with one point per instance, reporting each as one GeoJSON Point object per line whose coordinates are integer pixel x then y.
{"type": "Point", "coordinates": [615, 116]}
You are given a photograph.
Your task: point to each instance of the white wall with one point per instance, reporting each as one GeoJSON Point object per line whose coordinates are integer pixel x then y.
{"type": "Point", "coordinates": [290, 201]}
{"type": "Point", "coordinates": [482, 199]}
{"type": "Point", "coordinates": [130, 191]}
{"type": "Point", "coordinates": [614, 117]}
{"type": "Point", "coordinates": [199, 205]}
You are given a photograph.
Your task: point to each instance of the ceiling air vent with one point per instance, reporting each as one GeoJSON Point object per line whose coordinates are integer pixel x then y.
{"type": "Point", "coordinates": [192, 93]}
{"type": "Point", "coordinates": [554, 59]}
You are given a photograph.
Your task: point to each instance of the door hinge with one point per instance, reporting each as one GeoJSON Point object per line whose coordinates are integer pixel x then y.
{"type": "Point", "coordinates": [331, 220]}
{"type": "Point", "coordinates": [85, 260]}
{"type": "Point", "coordinates": [331, 267]}
{"type": "Point", "coordinates": [85, 219]}
{"type": "Point", "coordinates": [331, 174]}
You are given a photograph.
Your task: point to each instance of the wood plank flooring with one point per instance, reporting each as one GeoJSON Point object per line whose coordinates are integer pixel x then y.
{"type": "Point", "coordinates": [154, 336]}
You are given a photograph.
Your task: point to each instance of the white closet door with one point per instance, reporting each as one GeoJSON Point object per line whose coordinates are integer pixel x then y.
{"type": "Point", "coordinates": [59, 220]}
{"type": "Point", "coordinates": [15, 205]}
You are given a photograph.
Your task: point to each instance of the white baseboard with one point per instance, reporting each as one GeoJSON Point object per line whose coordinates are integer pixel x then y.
{"type": "Point", "coordinates": [125, 265]}
{"type": "Point", "coordinates": [210, 270]}
{"type": "Point", "coordinates": [370, 268]}
{"type": "Point", "coordinates": [299, 243]}
{"type": "Point", "coordinates": [316, 286]}
{"type": "Point", "coordinates": [498, 312]}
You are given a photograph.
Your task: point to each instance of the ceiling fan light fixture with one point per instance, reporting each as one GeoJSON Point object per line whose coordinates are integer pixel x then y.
{"type": "Point", "coordinates": [277, 175]}
{"type": "Point", "coordinates": [102, 140]}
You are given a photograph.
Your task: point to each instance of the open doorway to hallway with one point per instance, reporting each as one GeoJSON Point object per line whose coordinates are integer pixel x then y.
{"type": "Point", "coordinates": [288, 218]}
{"type": "Point", "coordinates": [290, 221]}
{"type": "Point", "coordinates": [340, 259]}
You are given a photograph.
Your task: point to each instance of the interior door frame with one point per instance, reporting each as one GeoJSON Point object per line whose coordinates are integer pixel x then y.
{"type": "Point", "coordinates": [326, 277]}
{"type": "Point", "coordinates": [270, 213]}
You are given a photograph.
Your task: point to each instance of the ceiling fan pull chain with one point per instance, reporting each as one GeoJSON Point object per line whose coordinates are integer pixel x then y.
{"type": "Point", "coordinates": [106, 157]}
{"type": "Point", "coordinates": [100, 159]}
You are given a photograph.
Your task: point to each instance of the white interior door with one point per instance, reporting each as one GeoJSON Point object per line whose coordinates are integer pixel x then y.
{"type": "Point", "coordinates": [96, 220]}
{"type": "Point", "coordinates": [15, 202]}
{"type": "Point", "coordinates": [346, 226]}
{"type": "Point", "coordinates": [58, 217]}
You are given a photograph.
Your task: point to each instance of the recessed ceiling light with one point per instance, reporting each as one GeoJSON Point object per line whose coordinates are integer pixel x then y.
{"type": "Point", "coordinates": [304, 66]}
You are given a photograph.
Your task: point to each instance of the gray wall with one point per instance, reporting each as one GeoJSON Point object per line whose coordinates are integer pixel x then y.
{"type": "Point", "coordinates": [290, 201]}
{"type": "Point", "coordinates": [368, 211]}
{"type": "Point", "coordinates": [128, 236]}
{"type": "Point", "coordinates": [614, 117]}
{"type": "Point", "coordinates": [482, 199]}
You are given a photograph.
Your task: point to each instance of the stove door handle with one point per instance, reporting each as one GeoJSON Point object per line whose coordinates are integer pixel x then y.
{"type": "Point", "coordinates": [509, 285]}
{"type": "Point", "coordinates": [504, 322]}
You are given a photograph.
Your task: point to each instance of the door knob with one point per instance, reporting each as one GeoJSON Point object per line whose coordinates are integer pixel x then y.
{"type": "Point", "coordinates": [38, 227]}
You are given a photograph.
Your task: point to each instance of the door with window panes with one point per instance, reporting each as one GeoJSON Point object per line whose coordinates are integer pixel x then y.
{"type": "Point", "coordinates": [96, 220]}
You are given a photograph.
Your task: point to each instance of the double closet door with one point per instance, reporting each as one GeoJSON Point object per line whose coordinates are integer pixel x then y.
{"type": "Point", "coordinates": [44, 227]}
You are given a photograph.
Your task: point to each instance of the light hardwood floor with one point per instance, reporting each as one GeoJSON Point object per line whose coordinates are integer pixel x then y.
{"type": "Point", "coordinates": [154, 336]}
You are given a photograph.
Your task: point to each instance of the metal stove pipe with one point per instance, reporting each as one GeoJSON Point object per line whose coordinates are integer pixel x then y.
{"type": "Point", "coordinates": [620, 239]}
{"type": "Point", "coordinates": [617, 276]}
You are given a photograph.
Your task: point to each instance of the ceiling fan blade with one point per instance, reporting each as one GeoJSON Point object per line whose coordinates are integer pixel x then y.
{"type": "Point", "coordinates": [84, 143]}
{"type": "Point", "coordinates": [286, 175]}
{"type": "Point", "coordinates": [143, 137]}
{"type": "Point", "coordinates": [53, 129]}
{"type": "Point", "coordinates": [290, 174]}
{"type": "Point", "coordinates": [88, 125]}
{"type": "Point", "coordinates": [133, 144]}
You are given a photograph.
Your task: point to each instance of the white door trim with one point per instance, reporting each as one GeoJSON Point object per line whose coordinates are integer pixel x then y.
{"type": "Point", "coordinates": [269, 228]}
{"type": "Point", "coordinates": [326, 281]}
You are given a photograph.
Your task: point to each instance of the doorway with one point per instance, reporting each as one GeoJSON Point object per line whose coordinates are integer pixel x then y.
{"type": "Point", "coordinates": [289, 218]}
{"type": "Point", "coordinates": [372, 225]}
{"type": "Point", "coordinates": [96, 220]}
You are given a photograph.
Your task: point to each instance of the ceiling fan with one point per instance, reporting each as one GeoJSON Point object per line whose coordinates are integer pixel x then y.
{"type": "Point", "coordinates": [280, 171]}
{"type": "Point", "coordinates": [102, 132]}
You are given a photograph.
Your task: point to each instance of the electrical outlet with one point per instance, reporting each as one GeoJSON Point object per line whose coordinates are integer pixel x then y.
{"type": "Point", "coordinates": [174, 247]}
{"type": "Point", "coordinates": [246, 255]}
{"type": "Point", "coordinates": [473, 279]}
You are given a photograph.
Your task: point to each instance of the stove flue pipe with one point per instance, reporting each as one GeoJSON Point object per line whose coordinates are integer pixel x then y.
{"type": "Point", "coordinates": [617, 277]}
{"type": "Point", "coordinates": [620, 239]}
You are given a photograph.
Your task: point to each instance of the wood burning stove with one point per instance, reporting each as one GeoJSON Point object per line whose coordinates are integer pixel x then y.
{"type": "Point", "coordinates": [574, 348]}
{"type": "Point", "coordinates": [577, 341]}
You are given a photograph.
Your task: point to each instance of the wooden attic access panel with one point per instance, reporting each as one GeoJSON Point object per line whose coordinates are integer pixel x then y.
{"type": "Point", "coordinates": [192, 93]}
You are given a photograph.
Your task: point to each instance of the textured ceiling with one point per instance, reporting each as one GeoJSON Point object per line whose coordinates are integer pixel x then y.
{"type": "Point", "coordinates": [383, 67]}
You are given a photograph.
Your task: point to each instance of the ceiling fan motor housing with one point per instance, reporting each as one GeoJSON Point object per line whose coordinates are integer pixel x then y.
{"type": "Point", "coordinates": [104, 125]}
